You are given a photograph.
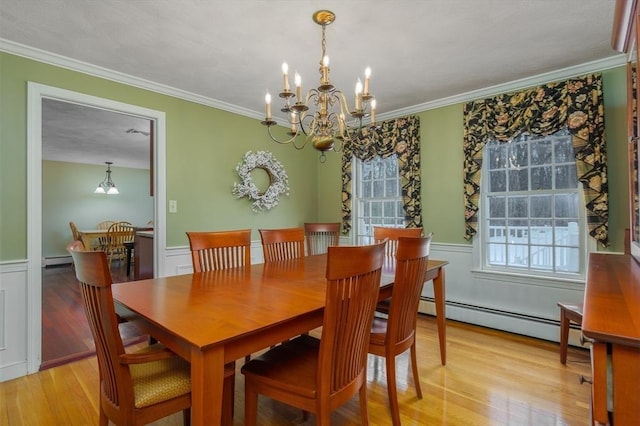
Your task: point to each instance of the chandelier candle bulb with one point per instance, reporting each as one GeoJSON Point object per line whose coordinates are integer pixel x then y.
{"type": "Point", "coordinates": [358, 95]}
{"type": "Point", "coordinates": [285, 72]}
{"type": "Point", "coordinates": [373, 112]}
{"type": "Point", "coordinates": [267, 99]}
{"type": "Point", "coordinates": [298, 81]}
{"type": "Point", "coordinates": [325, 69]}
{"type": "Point", "coordinates": [367, 76]}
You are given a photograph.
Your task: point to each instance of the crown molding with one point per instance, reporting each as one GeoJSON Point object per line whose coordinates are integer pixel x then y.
{"type": "Point", "coordinates": [94, 70]}
{"type": "Point", "coordinates": [118, 77]}
{"type": "Point", "coordinates": [561, 74]}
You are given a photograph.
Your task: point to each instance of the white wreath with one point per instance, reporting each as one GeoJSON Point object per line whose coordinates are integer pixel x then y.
{"type": "Point", "coordinates": [278, 180]}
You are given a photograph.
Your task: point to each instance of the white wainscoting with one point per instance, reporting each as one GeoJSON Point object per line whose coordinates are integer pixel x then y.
{"type": "Point", "coordinates": [517, 304]}
{"type": "Point", "coordinates": [13, 320]}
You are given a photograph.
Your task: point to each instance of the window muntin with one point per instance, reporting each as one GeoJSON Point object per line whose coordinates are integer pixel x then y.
{"type": "Point", "coordinates": [377, 196]}
{"type": "Point", "coordinates": [531, 212]}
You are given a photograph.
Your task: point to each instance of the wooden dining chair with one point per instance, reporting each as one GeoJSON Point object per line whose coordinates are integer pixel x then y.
{"type": "Point", "coordinates": [102, 241]}
{"type": "Point", "coordinates": [395, 334]}
{"type": "Point", "coordinates": [135, 388]}
{"type": "Point", "coordinates": [282, 244]}
{"type": "Point", "coordinates": [211, 251]}
{"type": "Point", "coordinates": [568, 313]}
{"type": "Point", "coordinates": [75, 234]}
{"type": "Point", "coordinates": [321, 235]}
{"type": "Point", "coordinates": [220, 250]}
{"type": "Point", "coordinates": [320, 375]}
{"type": "Point", "coordinates": [117, 234]}
{"type": "Point", "coordinates": [392, 235]}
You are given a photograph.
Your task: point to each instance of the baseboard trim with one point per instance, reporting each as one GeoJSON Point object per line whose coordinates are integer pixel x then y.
{"type": "Point", "coordinates": [56, 260]}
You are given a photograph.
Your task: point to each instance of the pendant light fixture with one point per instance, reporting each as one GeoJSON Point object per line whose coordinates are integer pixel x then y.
{"type": "Point", "coordinates": [107, 186]}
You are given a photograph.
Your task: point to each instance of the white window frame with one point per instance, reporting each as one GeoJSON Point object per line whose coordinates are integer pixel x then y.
{"type": "Point", "coordinates": [361, 236]}
{"type": "Point", "coordinates": [480, 266]}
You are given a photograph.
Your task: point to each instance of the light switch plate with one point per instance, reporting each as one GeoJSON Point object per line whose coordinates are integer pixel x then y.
{"type": "Point", "coordinates": [173, 206]}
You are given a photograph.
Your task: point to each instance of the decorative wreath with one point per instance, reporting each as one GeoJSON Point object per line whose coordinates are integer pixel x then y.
{"type": "Point", "coordinates": [278, 180]}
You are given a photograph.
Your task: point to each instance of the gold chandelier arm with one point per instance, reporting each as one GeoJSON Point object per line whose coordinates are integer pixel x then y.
{"type": "Point", "coordinates": [291, 140]}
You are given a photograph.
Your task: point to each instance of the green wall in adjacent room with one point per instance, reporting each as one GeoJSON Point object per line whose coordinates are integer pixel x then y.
{"type": "Point", "coordinates": [67, 196]}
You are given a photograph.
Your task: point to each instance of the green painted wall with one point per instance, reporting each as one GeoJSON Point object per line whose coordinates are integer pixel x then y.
{"type": "Point", "coordinates": [615, 114]}
{"type": "Point", "coordinates": [441, 155]}
{"type": "Point", "coordinates": [67, 195]}
{"type": "Point", "coordinates": [204, 145]}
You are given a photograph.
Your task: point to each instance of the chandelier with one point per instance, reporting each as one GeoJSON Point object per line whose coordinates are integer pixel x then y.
{"type": "Point", "coordinates": [326, 127]}
{"type": "Point", "coordinates": [107, 186]}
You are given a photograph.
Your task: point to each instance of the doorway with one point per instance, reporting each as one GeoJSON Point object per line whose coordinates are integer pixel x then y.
{"type": "Point", "coordinates": [37, 94]}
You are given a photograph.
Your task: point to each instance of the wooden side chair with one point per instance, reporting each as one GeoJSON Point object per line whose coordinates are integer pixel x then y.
{"type": "Point", "coordinates": [102, 241]}
{"type": "Point", "coordinates": [75, 234]}
{"type": "Point", "coordinates": [282, 244]}
{"type": "Point", "coordinates": [392, 336]}
{"type": "Point", "coordinates": [211, 251]}
{"type": "Point", "coordinates": [319, 376]}
{"type": "Point", "coordinates": [117, 235]}
{"type": "Point", "coordinates": [392, 235]}
{"type": "Point", "coordinates": [320, 236]}
{"type": "Point", "coordinates": [568, 313]}
{"type": "Point", "coordinates": [135, 388]}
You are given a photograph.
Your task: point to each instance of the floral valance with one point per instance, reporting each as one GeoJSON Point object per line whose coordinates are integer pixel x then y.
{"type": "Point", "coordinates": [401, 137]}
{"type": "Point", "coordinates": [577, 104]}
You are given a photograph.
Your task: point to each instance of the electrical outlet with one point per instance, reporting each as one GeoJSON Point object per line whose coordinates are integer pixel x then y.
{"type": "Point", "coordinates": [173, 206]}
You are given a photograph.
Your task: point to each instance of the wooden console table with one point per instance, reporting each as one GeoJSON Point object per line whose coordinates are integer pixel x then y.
{"type": "Point", "coordinates": [612, 320]}
{"type": "Point", "coordinates": [143, 255]}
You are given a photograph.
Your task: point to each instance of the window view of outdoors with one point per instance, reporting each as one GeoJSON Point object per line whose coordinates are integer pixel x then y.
{"type": "Point", "coordinates": [531, 204]}
{"type": "Point", "coordinates": [378, 197]}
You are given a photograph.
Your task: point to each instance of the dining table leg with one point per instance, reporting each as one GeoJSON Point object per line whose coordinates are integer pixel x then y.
{"type": "Point", "coordinates": [207, 383]}
{"type": "Point", "coordinates": [439, 292]}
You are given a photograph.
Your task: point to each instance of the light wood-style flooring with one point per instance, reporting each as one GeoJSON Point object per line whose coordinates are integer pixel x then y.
{"type": "Point", "coordinates": [491, 378]}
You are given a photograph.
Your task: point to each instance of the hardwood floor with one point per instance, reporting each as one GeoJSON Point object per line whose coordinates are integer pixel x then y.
{"type": "Point", "coordinates": [65, 331]}
{"type": "Point", "coordinates": [491, 378]}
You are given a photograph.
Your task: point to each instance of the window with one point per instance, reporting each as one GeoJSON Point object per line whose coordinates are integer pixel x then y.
{"type": "Point", "coordinates": [531, 211]}
{"type": "Point", "coordinates": [377, 196]}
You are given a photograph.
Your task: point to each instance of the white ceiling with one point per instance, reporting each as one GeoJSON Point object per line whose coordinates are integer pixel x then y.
{"type": "Point", "coordinates": [231, 51]}
{"type": "Point", "coordinates": [82, 134]}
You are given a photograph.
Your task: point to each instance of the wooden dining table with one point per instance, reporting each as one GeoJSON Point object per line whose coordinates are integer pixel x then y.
{"type": "Point", "coordinates": [216, 317]}
{"type": "Point", "coordinates": [90, 235]}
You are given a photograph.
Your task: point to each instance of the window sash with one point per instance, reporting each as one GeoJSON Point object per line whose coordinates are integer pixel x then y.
{"type": "Point", "coordinates": [531, 237]}
{"type": "Point", "coordinates": [383, 207]}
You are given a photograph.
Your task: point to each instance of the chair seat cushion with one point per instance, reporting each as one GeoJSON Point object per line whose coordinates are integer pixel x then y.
{"type": "Point", "coordinates": [159, 381]}
{"type": "Point", "coordinates": [292, 366]}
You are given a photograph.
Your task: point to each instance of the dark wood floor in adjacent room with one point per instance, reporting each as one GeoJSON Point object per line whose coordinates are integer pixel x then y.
{"type": "Point", "coordinates": [65, 331]}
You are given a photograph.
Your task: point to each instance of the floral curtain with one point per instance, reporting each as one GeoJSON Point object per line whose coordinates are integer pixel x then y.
{"type": "Point", "coordinates": [401, 137]}
{"type": "Point", "coordinates": [577, 104]}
